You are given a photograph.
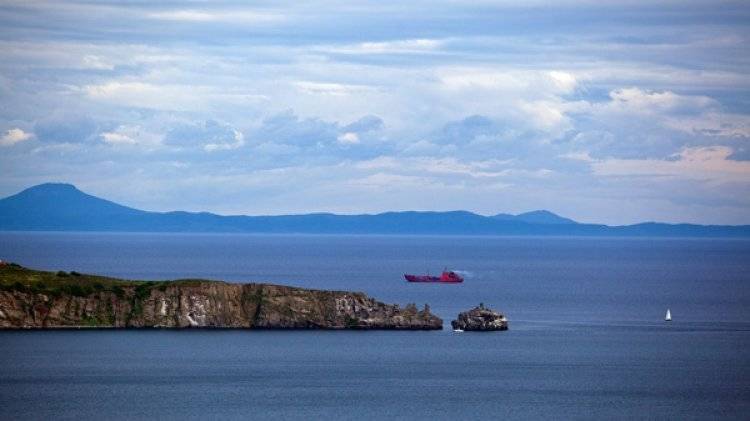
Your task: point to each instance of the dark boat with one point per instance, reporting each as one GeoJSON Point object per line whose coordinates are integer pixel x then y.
{"type": "Point", "coordinates": [448, 276]}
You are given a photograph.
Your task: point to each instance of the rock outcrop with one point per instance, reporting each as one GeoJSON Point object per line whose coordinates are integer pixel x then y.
{"type": "Point", "coordinates": [480, 319]}
{"type": "Point", "coordinates": [34, 299]}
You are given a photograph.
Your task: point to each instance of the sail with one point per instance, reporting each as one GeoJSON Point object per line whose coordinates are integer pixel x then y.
{"type": "Point", "coordinates": [668, 317]}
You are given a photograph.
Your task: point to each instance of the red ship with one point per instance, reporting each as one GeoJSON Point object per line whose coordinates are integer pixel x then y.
{"type": "Point", "coordinates": [448, 276]}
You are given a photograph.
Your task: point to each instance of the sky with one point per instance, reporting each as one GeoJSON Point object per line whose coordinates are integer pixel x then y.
{"type": "Point", "coordinates": [611, 112]}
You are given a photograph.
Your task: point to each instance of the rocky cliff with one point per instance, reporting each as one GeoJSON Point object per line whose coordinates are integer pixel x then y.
{"type": "Point", "coordinates": [35, 299]}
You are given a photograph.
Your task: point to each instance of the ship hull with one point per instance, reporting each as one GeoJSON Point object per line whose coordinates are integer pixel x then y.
{"type": "Point", "coordinates": [431, 279]}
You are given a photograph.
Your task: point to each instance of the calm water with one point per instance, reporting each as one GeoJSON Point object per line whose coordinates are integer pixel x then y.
{"type": "Point", "coordinates": [587, 338]}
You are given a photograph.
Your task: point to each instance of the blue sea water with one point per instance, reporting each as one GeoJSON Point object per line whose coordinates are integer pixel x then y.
{"type": "Point", "coordinates": [587, 338]}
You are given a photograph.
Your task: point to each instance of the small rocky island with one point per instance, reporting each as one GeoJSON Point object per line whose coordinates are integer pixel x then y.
{"type": "Point", "coordinates": [31, 299]}
{"type": "Point", "coordinates": [480, 319]}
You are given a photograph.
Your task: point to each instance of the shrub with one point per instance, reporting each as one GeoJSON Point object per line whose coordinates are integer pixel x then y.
{"type": "Point", "coordinates": [351, 322]}
{"type": "Point", "coordinates": [62, 274]}
{"type": "Point", "coordinates": [91, 321]}
{"type": "Point", "coordinates": [19, 286]}
{"type": "Point", "coordinates": [119, 292]}
{"type": "Point", "coordinates": [39, 287]}
{"type": "Point", "coordinates": [78, 290]}
{"type": "Point", "coordinates": [142, 291]}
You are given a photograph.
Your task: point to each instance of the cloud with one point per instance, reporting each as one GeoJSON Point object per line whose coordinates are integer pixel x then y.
{"type": "Point", "coordinates": [543, 83]}
{"type": "Point", "coordinates": [331, 89]}
{"type": "Point", "coordinates": [114, 138]}
{"type": "Point", "coordinates": [169, 96]}
{"type": "Point", "coordinates": [405, 46]}
{"type": "Point", "coordinates": [209, 136]}
{"type": "Point", "coordinates": [365, 124]}
{"type": "Point", "coordinates": [67, 129]}
{"type": "Point", "coordinates": [288, 128]}
{"type": "Point", "coordinates": [202, 16]}
{"type": "Point", "coordinates": [131, 135]}
{"type": "Point", "coordinates": [239, 141]}
{"type": "Point", "coordinates": [702, 164]}
{"type": "Point", "coordinates": [348, 138]}
{"type": "Point", "coordinates": [13, 136]}
{"type": "Point", "coordinates": [636, 124]}
{"type": "Point", "coordinates": [467, 129]}
{"type": "Point", "coordinates": [96, 62]}
{"type": "Point", "coordinates": [635, 100]}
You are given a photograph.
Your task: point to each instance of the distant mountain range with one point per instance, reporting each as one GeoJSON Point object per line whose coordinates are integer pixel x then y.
{"type": "Point", "coordinates": [62, 207]}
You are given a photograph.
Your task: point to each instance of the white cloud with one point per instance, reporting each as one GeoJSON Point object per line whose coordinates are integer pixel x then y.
{"type": "Point", "coordinates": [348, 138]}
{"type": "Point", "coordinates": [331, 89]}
{"type": "Point", "coordinates": [456, 79]}
{"type": "Point", "coordinates": [165, 96]}
{"type": "Point", "coordinates": [125, 135]}
{"type": "Point", "coordinates": [236, 16]}
{"type": "Point", "coordinates": [96, 62]}
{"type": "Point", "coordinates": [239, 141]}
{"type": "Point", "coordinates": [564, 81]}
{"type": "Point", "coordinates": [13, 136]}
{"type": "Point", "coordinates": [117, 139]}
{"type": "Point", "coordinates": [521, 99]}
{"type": "Point", "coordinates": [547, 114]}
{"type": "Point", "coordinates": [533, 83]}
{"type": "Point", "coordinates": [406, 46]}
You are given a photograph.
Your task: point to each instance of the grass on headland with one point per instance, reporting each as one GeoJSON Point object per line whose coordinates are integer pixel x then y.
{"type": "Point", "coordinates": [14, 277]}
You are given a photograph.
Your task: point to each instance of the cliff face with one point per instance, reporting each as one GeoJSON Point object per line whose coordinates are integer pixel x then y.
{"type": "Point", "coordinates": [92, 302]}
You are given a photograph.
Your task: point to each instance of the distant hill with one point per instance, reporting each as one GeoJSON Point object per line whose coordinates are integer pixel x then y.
{"type": "Point", "coordinates": [62, 207]}
{"type": "Point", "coordinates": [535, 217]}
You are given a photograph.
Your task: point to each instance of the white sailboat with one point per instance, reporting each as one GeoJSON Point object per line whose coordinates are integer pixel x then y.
{"type": "Point", "coordinates": [668, 317]}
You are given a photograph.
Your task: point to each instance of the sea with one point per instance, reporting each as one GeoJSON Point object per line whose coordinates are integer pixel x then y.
{"type": "Point", "coordinates": [587, 337]}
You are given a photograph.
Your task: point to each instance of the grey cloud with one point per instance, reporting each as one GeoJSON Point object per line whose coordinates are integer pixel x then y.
{"type": "Point", "coordinates": [316, 138]}
{"type": "Point", "coordinates": [68, 130]}
{"type": "Point", "coordinates": [482, 137]}
{"type": "Point", "coordinates": [208, 135]}
{"type": "Point", "coordinates": [741, 150]}
{"type": "Point", "coordinates": [288, 128]}
{"type": "Point", "coordinates": [466, 130]}
{"type": "Point", "coordinates": [365, 124]}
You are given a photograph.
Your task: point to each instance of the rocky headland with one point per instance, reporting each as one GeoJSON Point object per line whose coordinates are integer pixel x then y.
{"type": "Point", "coordinates": [31, 299]}
{"type": "Point", "coordinates": [480, 319]}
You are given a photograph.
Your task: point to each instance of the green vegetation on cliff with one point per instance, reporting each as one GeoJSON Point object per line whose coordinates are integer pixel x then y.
{"type": "Point", "coordinates": [14, 277]}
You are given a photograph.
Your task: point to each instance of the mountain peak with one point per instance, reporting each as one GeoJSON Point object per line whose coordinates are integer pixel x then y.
{"type": "Point", "coordinates": [55, 206]}
{"type": "Point", "coordinates": [52, 188]}
{"type": "Point", "coordinates": [536, 217]}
